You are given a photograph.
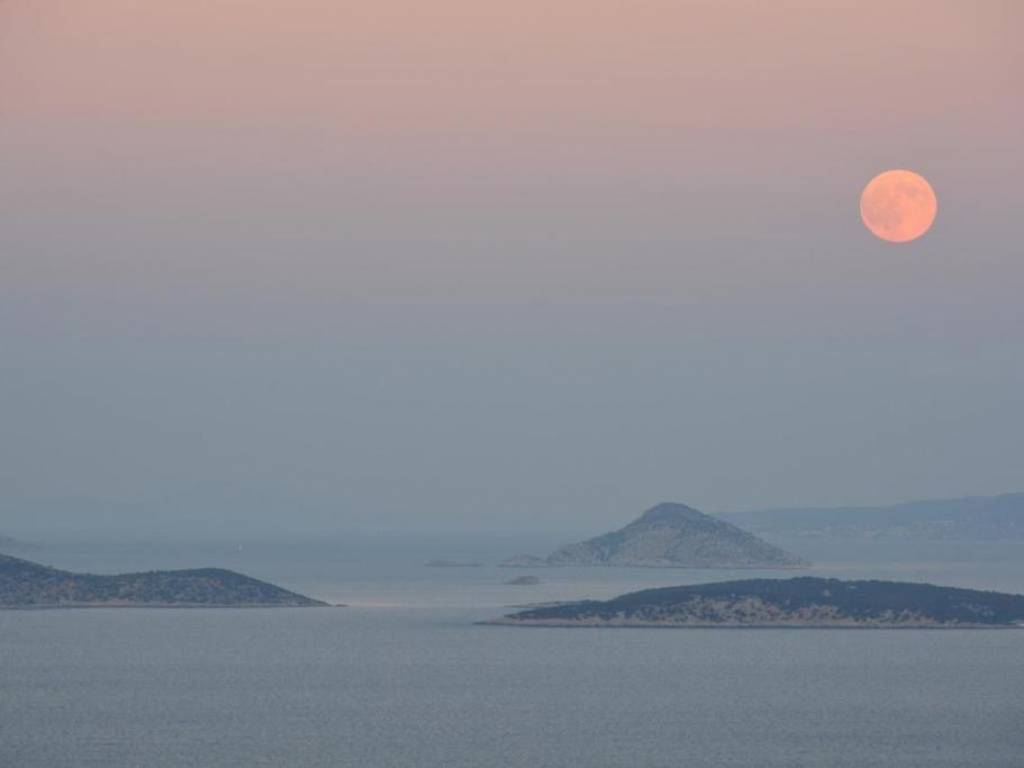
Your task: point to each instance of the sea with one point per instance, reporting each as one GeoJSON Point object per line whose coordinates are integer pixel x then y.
{"type": "Point", "coordinates": [404, 676]}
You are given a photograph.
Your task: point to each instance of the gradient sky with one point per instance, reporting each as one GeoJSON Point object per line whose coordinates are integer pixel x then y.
{"type": "Point", "coordinates": [397, 264]}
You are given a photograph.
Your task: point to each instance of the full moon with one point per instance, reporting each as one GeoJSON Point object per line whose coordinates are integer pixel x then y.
{"type": "Point", "coordinates": [898, 206]}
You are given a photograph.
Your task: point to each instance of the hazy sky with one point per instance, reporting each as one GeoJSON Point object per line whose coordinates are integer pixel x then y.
{"type": "Point", "coordinates": [395, 264]}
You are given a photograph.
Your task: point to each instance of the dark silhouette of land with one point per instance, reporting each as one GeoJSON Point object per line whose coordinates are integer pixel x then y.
{"type": "Point", "coordinates": [523, 581]}
{"type": "Point", "coordinates": [799, 602]}
{"type": "Point", "coordinates": [24, 584]}
{"type": "Point", "coordinates": [453, 564]}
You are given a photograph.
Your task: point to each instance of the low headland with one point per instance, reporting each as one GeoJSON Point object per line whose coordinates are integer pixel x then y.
{"type": "Point", "coordinates": [24, 584]}
{"type": "Point", "coordinates": [805, 602]}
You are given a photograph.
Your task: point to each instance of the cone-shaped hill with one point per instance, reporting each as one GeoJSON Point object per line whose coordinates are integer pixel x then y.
{"type": "Point", "coordinates": [671, 536]}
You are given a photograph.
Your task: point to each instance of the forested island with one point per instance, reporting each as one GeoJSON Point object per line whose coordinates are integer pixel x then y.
{"type": "Point", "coordinates": [798, 602]}
{"type": "Point", "coordinates": [25, 584]}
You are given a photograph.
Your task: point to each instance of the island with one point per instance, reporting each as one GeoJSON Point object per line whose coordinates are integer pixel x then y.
{"type": "Point", "coordinates": [524, 561]}
{"type": "Point", "coordinates": [523, 581]}
{"type": "Point", "coordinates": [25, 584]}
{"type": "Point", "coordinates": [670, 535]}
{"type": "Point", "coordinates": [453, 564]}
{"type": "Point", "coordinates": [804, 602]}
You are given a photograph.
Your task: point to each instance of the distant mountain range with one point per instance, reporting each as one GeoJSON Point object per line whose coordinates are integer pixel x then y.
{"type": "Point", "coordinates": [976, 517]}
{"type": "Point", "coordinates": [24, 584]}
{"type": "Point", "coordinates": [800, 602]}
{"type": "Point", "coordinates": [670, 536]}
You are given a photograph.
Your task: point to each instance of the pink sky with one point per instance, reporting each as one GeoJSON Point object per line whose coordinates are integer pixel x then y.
{"type": "Point", "coordinates": [450, 92]}
{"type": "Point", "coordinates": [529, 122]}
{"type": "Point", "coordinates": [353, 217]}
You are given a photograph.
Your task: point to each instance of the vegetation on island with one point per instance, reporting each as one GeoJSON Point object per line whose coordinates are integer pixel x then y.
{"type": "Point", "coordinates": [24, 584]}
{"type": "Point", "coordinates": [805, 601]}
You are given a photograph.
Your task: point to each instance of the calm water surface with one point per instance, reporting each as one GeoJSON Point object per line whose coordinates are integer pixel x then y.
{"type": "Point", "coordinates": [404, 678]}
